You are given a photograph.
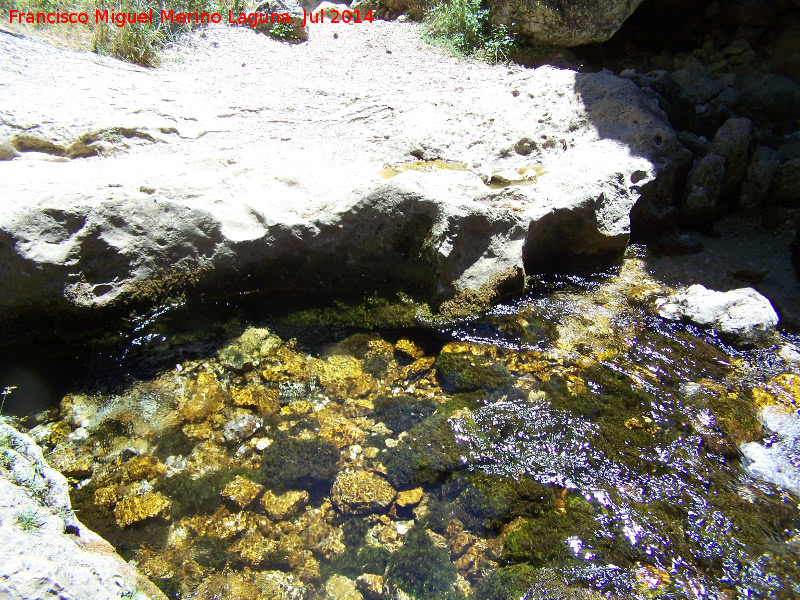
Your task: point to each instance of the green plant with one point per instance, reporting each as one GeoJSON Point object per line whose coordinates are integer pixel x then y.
{"type": "Point", "coordinates": [465, 27]}
{"type": "Point", "coordinates": [29, 520]}
{"type": "Point", "coordinates": [282, 31]}
{"type": "Point", "coordinates": [37, 488]}
{"type": "Point", "coordinates": [6, 391]}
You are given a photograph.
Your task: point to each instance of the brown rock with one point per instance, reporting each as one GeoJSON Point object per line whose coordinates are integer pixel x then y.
{"type": "Point", "coordinates": [361, 492]}
{"type": "Point", "coordinates": [241, 492]}
{"type": "Point", "coordinates": [133, 509]}
{"type": "Point", "coordinates": [254, 550]}
{"type": "Point", "coordinates": [409, 497]}
{"type": "Point", "coordinates": [370, 585]}
{"type": "Point", "coordinates": [285, 506]}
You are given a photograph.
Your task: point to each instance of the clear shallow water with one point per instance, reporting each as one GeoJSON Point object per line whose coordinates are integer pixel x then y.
{"type": "Point", "coordinates": [565, 443]}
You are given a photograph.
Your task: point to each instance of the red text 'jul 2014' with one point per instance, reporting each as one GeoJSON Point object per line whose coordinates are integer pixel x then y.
{"type": "Point", "coordinates": [120, 19]}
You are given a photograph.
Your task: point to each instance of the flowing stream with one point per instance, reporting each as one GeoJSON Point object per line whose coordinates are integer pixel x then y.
{"type": "Point", "coordinates": [568, 444]}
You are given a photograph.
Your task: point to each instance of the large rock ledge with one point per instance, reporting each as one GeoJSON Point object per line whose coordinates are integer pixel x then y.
{"type": "Point", "coordinates": [316, 216]}
{"type": "Point", "coordinates": [46, 552]}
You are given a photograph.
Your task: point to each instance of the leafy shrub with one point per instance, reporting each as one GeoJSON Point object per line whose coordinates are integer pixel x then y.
{"type": "Point", "coordinates": [282, 31]}
{"type": "Point", "coordinates": [464, 26]}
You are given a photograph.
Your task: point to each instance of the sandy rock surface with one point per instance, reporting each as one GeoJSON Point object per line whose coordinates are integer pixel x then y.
{"type": "Point", "coordinates": [245, 159]}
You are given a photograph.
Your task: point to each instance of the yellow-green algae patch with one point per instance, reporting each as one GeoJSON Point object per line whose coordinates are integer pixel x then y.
{"type": "Point", "coordinates": [425, 166]}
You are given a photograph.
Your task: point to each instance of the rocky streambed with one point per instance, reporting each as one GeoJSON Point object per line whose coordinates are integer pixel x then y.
{"type": "Point", "coordinates": [472, 429]}
{"type": "Point", "coordinates": [568, 444]}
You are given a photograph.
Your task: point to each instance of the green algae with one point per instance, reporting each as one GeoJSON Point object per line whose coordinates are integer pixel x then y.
{"type": "Point", "coordinates": [299, 464]}
{"type": "Point", "coordinates": [402, 412]}
{"type": "Point", "coordinates": [427, 455]}
{"type": "Point", "coordinates": [467, 372]}
{"type": "Point", "coordinates": [421, 569]}
{"type": "Point", "coordinates": [202, 494]}
{"type": "Point", "coordinates": [371, 313]}
{"type": "Point", "coordinates": [507, 583]}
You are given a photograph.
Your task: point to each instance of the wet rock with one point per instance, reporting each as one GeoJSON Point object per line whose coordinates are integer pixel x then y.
{"type": "Point", "coordinates": [786, 187]}
{"type": "Point", "coordinates": [361, 492]}
{"type": "Point", "coordinates": [284, 506]}
{"type": "Point", "coordinates": [254, 550]}
{"type": "Point", "coordinates": [466, 367]}
{"type": "Point", "coordinates": [206, 396]}
{"type": "Point", "coordinates": [72, 462]}
{"type": "Point", "coordinates": [248, 349]}
{"type": "Point", "coordinates": [241, 492]}
{"type": "Point", "coordinates": [342, 377]}
{"type": "Point", "coordinates": [339, 430]}
{"type": "Point", "coordinates": [370, 585]}
{"type": "Point", "coordinates": [782, 392]}
{"type": "Point", "coordinates": [339, 587]}
{"type": "Point", "coordinates": [135, 508]}
{"type": "Point", "coordinates": [732, 142]}
{"type": "Point", "coordinates": [743, 316]}
{"type": "Point", "coordinates": [777, 462]}
{"type": "Point", "coordinates": [241, 428]}
{"type": "Point", "coordinates": [408, 349]}
{"type": "Point", "coordinates": [758, 178]}
{"type": "Point", "coordinates": [247, 585]}
{"type": "Point", "coordinates": [704, 188]}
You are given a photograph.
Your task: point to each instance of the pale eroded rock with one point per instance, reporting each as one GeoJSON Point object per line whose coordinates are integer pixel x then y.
{"type": "Point", "coordinates": [742, 317]}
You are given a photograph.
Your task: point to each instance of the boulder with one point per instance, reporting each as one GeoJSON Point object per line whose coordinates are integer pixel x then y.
{"type": "Point", "coordinates": [786, 186]}
{"type": "Point", "coordinates": [45, 547]}
{"type": "Point", "coordinates": [321, 215]}
{"type": "Point", "coordinates": [773, 100]}
{"type": "Point", "coordinates": [758, 178]}
{"type": "Point", "coordinates": [704, 188]}
{"type": "Point", "coordinates": [732, 142]}
{"type": "Point", "coordinates": [776, 462]}
{"type": "Point", "coordinates": [695, 82]}
{"type": "Point", "coordinates": [564, 23]}
{"type": "Point", "coordinates": [742, 317]}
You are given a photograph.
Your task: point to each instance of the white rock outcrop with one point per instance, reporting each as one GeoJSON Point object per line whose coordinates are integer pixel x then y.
{"type": "Point", "coordinates": [274, 182]}
{"type": "Point", "coordinates": [46, 552]}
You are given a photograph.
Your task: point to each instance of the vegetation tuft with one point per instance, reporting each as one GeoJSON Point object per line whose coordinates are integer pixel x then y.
{"type": "Point", "coordinates": [29, 521]}
{"type": "Point", "coordinates": [138, 43]}
{"type": "Point", "coordinates": [464, 27]}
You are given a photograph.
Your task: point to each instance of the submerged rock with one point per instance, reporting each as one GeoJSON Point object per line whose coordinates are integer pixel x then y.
{"type": "Point", "coordinates": [361, 492]}
{"type": "Point", "coordinates": [742, 317]}
{"type": "Point", "coordinates": [135, 508]}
